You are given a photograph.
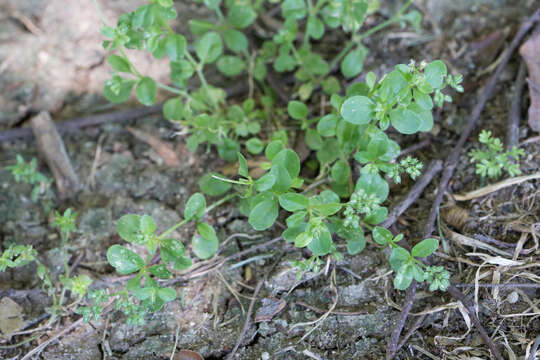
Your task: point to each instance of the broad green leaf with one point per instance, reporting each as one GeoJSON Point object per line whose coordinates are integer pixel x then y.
{"type": "Point", "coordinates": [175, 46]}
{"type": "Point", "coordinates": [288, 159]}
{"type": "Point", "coordinates": [353, 63]}
{"type": "Point", "coordinates": [165, 3]}
{"type": "Point", "coordinates": [293, 201]}
{"type": "Point", "coordinates": [118, 63]}
{"type": "Point", "coordinates": [373, 184]}
{"type": "Point", "coordinates": [381, 235]}
{"type": "Point", "coordinates": [160, 271]}
{"type": "Point", "coordinates": [205, 243]}
{"type": "Point", "coordinates": [327, 125]}
{"type": "Point", "coordinates": [231, 65]}
{"type": "Point", "coordinates": [195, 206]}
{"type": "Point", "coordinates": [356, 245]}
{"type": "Point", "coordinates": [315, 27]}
{"type": "Point", "coordinates": [291, 233]}
{"type": "Point", "coordinates": [425, 248]}
{"type": "Point", "coordinates": [182, 263]}
{"type": "Point", "coordinates": [313, 139]}
{"type": "Point", "coordinates": [297, 110]}
{"type": "Point", "coordinates": [241, 16]}
{"type": "Point", "coordinates": [117, 89]}
{"type": "Point", "coordinates": [273, 148]}
{"type": "Point", "coordinates": [435, 72]}
{"type": "Point", "coordinates": [254, 145]}
{"type": "Point", "coordinates": [423, 100]}
{"type": "Point", "coordinates": [404, 277]}
{"type": "Point", "coordinates": [296, 219]}
{"type": "Point", "coordinates": [331, 85]}
{"type": "Point", "coordinates": [148, 225]}
{"type": "Point", "coordinates": [171, 249]}
{"type": "Point", "coordinates": [264, 214]}
{"type": "Point", "coordinates": [181, 71]}
{"type": "Point", "coordinates": [200, 27]}
{"type": "Point", "coordinates": [146, 91]}
{"type": "Point", "coordinates": [426, 117]}
{"type": "Point", "coordinates": [398, 257]}
{"type": "Point", "coordinates": [242, 166]}
{"type": "Point", "coordinates": [235, 40]}
{"type": "Point", "coordinates": [265, 182]}
{"type": "Point", "coordinates": [128, 228]}
{"type": "Point", "coordinates": [209, 48]}
{"type": "Point", "coordinates": [322, 243]}
{"type": "Point", "coordinates": [167, 294]}
{"type": "Point", "coordinates": [173, 109]}
{"type": "Point", "coordinates": [283, 178]}
{"type": "Point", "coordinates": [405, 121]}
{"type": "Point", "coordinates": [212, 186]}
{"type": "Point", "coordinates": [357, 110]}
{"type": "Point", "coordinates": [145, 293]}
{"type": "Point", "coordinates": [294, 8]}
{"type": "Point", "coordinates": [377, 216]}
{"type": "Point", "coordinates": [124, 260]}
{"type": "Point", "coordinates": [303, 239]}
{"type": "Point", "coordinates": [327, 209]}
{"type": "Point", "coordinates": [341, 171]}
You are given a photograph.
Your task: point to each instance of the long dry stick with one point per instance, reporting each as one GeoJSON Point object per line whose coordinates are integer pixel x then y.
{"type": "Point", "coordinates": [248, 319]}
{"type": "Point", "coordinates": [44, 344]}
{"type": "Point", "coordinates": [449, 169]}
{"type": "Point", "coordinates": [515, 110]}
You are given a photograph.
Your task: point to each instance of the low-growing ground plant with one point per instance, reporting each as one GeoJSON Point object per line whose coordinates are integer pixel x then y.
{"type": "Point", "coordinates": [353, 154]}
{"type": "Point", "coordinates": [346, 207]}
{"type": "Point", "coordinates": [26, 172]}
{"type": "Point", "coordinates": [492, 159]}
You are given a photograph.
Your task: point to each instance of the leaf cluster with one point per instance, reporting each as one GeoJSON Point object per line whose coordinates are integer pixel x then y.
{"type": "Point", "coordinates": [493, 159]}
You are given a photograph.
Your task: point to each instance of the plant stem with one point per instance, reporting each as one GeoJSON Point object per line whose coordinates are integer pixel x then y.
{"type": "Point", "coordinates": [356, 39]}
{"type": "Point", "coordinates": [100, 13]}
{"type": "Point", "coordinates": [208, 209]}
{"type": "Point", "coordinates": [202, 78]}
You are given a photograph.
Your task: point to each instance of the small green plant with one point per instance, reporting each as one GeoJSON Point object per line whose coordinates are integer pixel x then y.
{"type": "Point", "coordinates": [26, 172]}
{"type": "Point", "coordinates": [492, 160]}
{"type": "Point", "coordinates": [20, 255]}
{"type": "Point", "coordinates": [143, 292]}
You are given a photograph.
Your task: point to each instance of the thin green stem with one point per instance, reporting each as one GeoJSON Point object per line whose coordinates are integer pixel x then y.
{"type": "Point", "coordinates": [100, 13]}
{"type": "Point", "coordinates": [202, 78]}
{"type": "Point", "coordinates": [220, 202]}
{"type": "Point", "coordinates": [356, 39]}
{"type": "Point", "coordinates": [208, 209]}
{"type": "Point", "coordinates": [172, 228]}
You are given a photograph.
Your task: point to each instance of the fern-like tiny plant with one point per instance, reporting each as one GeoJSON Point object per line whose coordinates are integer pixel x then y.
{"type": "Point", "coordinates": [492, 159]}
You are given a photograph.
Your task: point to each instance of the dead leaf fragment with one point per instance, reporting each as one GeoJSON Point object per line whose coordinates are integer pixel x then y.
{"type": "Point", "coordinates": [10, 316]}
{"type": "Point", "coordinates": [187, 355]}
{"type": "Point", "coordinates": [162, 148]}
{"type": "Point", "coordinates": [270, 308]}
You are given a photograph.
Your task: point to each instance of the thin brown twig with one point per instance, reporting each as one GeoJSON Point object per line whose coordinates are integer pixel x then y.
{"type": "Point", "coordinates": [46, 343]}
{"type": "Point", "coordinates": [248, 319]}
{"type": "Point", "coordinates": [506, 285]}
{"type": "Point", "coordinates": [333, 312]}
{"type": "Point", "coordinates": [414, 148]}
{"type": "Point", "coordinates": [458, 295]}
{"type": "Point", "coordinates": [534, 349]}
{"type": "Point", "coordinates": [433, 169]}
{"type": "Point", "coordinates": [416, 325]}
{"type": "Point", "coordinates": [514, 116]}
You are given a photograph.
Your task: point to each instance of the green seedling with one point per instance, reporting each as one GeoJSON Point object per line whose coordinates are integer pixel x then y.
{"type": "Point", "coordinates": [26, 172]}
{"type": "Point", "coordinates": [492, 160]}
